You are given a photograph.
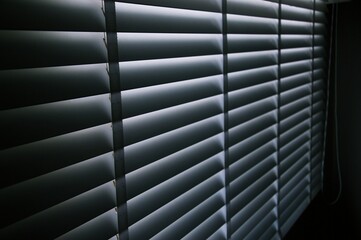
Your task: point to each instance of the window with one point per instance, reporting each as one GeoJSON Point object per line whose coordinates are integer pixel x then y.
{"type": "Point", "coordinates": [160, 119]}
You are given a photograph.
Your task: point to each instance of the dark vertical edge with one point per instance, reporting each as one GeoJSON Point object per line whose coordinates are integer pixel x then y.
{"type": "Point", "coordinates": [336, 110]}
{"type": "Point", "coordinates": [279, 117]}
{"type": "Point", "coordinates": [328, 88]}
{"type": "Point", "coordinates": [117, 124]}
{"type": "Point", "coordinates": [312, 90]}
{"type": "Point", "coordinates": [225, 115]}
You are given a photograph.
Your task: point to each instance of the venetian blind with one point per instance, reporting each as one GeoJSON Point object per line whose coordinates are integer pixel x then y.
{"type": "Point", "coordinates": [160, 119]}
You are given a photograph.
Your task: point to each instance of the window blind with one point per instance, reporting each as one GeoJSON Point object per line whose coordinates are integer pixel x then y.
{"type": "Point", "coordinates": [252, 98]}
{"type": "Point", "coordinates": [295, 110]}
{"type": "Point", "coordinates": [301, 109]}
{"type": "Point", "coordinates": [56, 162]}
{"type": "Point", "coordinates": [171, 68]}
{"type": "Point", "coordinates": [153, 119]}
{"type": "Point", "coordinates": [318, 94]}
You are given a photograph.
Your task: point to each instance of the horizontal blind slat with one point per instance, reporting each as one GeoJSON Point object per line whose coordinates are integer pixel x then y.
{"type": "Point", "coordinates": [167, 95]}
{"type": "Point", "coordinates": [267, 221]}
{"type": "Point", "coordinates": [221, 233]}
{"type": "Point", "coordinates": [146, 18]}
{"type": "Point", "coordinates": [293, 68]}
{"type": "Point", "coordinates": [299, 207]}
{"type": "Point", "coordinates": [298, 3]}
{"type": "Point", "coordinates": [103, 226]}
{"type": "Point", "coordinates": [241, 149]}
{"type": "Point", "coordinates": [290, 194]}
{"type": "Point", "coordinates": [205, 5]}
{"type": "Point", "coordinates": [49, 155]}
{"type": "Point", "coordinates": [294, 132]}
{"type": "Point", "coordinates": [43, 191]}
{"type": "Point", "coordinates": [296, 93]}
{"type": "Point", "coordinates": [251, 25]}
{"type": "Point", "coordinates": [296, 41]}
{"type": "Point", "coordinates": [294, 157]}
{"type": "Point", "coordinates": [181, 138]}
{"type": "Point", "coordinates": [248, 129]}
{"type": "Point", "coordinates": [81, 209]}
{"type": "Point", "coordinates": [155, 123]}
{"type": "Point", "coordinates": [156, 221]}
{"type": "Point", "coordinates": [295, 119]}
{"type": "Point", "coordinates": [57, 84]}
{"type": "Point", "coordinates": [296, 27]}
{"type": "Point", "coordinates": [249, 60]}
{"type": "Point", "coordinates": [251, 42]}
{"type": "Point", "coordinates": [53, 119]}
{"type": "Point", "coordinates": [197, 221]}
{"type": "Point", "coordinates": [242, 182]}
{"type": "Point", "coordinates": [239, 201]}
{"type": "Point", "coordinates": [172, 188]}
{"type": "Point", "coordinates": [205, 230]}
{"type": "Point", "coordinates": [245, 213]}
{"type": "Point", "coordinates": [247, 112]}
{"type": "Point", "coordinates": [251, 77]}
{"type": "Point", "coordinates": [160, 71]}
{"type": "Point", "coordinates": [294, 107]}
{"type": "Point", "coordinates": [296, 54]}
{"type": "Point", "coordinates": [142, 46]}
{"type": "Point", "coordinates": [251, 159]}
{"type": "Point", "coordinates": [290, 147]}
{"type": "Point", "coordinates": [270, 233]}
{"type": "Point", "coordinates": [62, 15]}
{"type": "Point", "coordinates": [297, 13]}
{"type": "Point", "coordinates": [292, 170]}
{"type": "Point", "coordinates": [157, 172]}
{"type": "Point", "coordinates": [265, 214]}
{"type": "Point", "coordinates": [253, 8]}
{"type": "Point", "coordinates": [29, 49]}
{"type": "Point", "coordinates": [296, 80]}
{"type": "Point", "coordinates": [251, 94]}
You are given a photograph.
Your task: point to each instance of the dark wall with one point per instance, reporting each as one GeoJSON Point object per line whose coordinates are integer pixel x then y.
{"type": "Point", "coordinates": [349, 109]}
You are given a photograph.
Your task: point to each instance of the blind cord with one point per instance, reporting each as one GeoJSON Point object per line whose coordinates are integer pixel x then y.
{"type": "Point", "coordinates": [334, 17]}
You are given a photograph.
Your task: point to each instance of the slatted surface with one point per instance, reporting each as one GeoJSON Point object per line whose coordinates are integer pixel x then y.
{"type": "Point", "coordinates": [319, 95]}
{"type": "Point", "coordinates": [203, 83]}
{"type": "Point", "coordinates": [296, 71]}
{"type": "Point", "coordinates": [56, 162]}
{"type": "Point", "coordinates": [171, 65]}
{"type": "Point", "coordinates": [252, 98]}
